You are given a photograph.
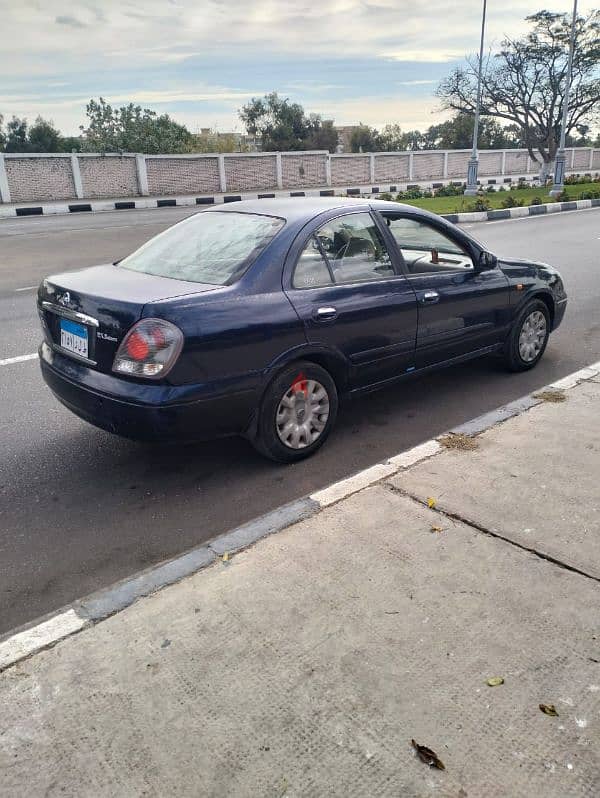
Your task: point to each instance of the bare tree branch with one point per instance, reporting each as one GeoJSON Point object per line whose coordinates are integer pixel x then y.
{"type": "Point", "coordinates": [524, 83]}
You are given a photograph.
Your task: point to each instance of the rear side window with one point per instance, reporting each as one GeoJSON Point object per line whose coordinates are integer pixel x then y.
{"type": "Point", "coordinates": [215, 247]}
{"type": "Point", "coordinates": [354, 252]}
{"type": "Point", "coordinates": [311, 270]}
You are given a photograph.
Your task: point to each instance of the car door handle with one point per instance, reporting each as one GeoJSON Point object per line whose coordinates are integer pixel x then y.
{"type": "Point", "coordinates": [325, 314]}
{"type": "Point", "coordinates": [429, 297]}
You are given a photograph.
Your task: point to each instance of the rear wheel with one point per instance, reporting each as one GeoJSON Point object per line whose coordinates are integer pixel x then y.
{"type": "Point", "coordinates": [297, 413]}
{"type": "Point", "coordinates": [528, 338]}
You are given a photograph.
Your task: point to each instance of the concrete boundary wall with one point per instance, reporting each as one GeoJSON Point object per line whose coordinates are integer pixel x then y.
{"type": "Point", "coordinates": [35, 177]}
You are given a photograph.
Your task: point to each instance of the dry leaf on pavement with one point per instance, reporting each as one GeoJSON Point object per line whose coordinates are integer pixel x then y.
{"type": "Point", "coordinates": [431, 503]}
{"type": "Point", "coordinates": [495, 681]}
{"type": "Point", "coordinates": [428, 756]}
{"type": "Point", "coordinates": [549, 709]}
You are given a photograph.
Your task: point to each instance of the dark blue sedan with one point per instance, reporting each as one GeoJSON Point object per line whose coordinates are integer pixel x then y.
{"type": "Point", "coordinates": [253, 318]}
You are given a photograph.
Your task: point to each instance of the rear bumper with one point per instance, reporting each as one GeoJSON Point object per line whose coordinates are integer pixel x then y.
{"type": "Point", "coordinates": [162, 412]}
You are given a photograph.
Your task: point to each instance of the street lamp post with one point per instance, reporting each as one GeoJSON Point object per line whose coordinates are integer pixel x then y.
{"type": "Point", "coordinates": [471, 189]}
{"type": "Point", "coordinates": [559, 161]}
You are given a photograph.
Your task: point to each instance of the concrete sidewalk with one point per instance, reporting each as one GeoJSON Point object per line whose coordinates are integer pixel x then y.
{"type": "Point", "coordinates": [305, 665]}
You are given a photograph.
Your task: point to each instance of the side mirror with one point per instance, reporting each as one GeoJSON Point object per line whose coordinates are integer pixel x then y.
{"type": "Point", "coordinates": [487, 261]}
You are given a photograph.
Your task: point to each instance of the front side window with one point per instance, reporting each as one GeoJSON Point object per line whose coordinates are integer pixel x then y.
{"type": "Point", "coordinates": [425, 249]}
{"type": "Point", "coordinates": [215, 247]}
{"type": "Point", "coordinates": [354, 251]}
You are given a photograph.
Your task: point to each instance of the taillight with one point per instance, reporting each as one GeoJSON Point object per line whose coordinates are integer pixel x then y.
{"type": "Point", "coordinates": [149, 349]}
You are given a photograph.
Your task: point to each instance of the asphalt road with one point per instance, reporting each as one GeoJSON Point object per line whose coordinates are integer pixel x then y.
{"type": "Point", "coordinates": [80, 509]}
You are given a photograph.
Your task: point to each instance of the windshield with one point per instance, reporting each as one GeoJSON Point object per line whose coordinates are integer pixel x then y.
{"type": "Point", "coordinates": [215, 247]}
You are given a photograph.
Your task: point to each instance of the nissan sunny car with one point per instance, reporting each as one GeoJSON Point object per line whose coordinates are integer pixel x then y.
{"type": "Point", "coordinates": [254, 318]}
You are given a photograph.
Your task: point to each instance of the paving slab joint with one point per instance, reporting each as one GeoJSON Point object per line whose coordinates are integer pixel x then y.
{"type": "Point", "coordinates": [451, 516]}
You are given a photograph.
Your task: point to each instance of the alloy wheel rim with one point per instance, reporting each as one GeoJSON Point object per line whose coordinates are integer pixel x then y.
{"type": "Point", "coordinates": [532, 336]}
{"type": "Point", "coordinates": [302, 414]}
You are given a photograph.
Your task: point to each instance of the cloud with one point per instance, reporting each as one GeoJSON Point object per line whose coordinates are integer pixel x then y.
{"type": "Point", "coordinates": [214, 53]}
{"type": "Point", "coordinates": [424, 56]}
{"type": "Point", "coordinates": [416, 82]}
{"type": "Point", "coordinates": [70, 21]}
{"type": "Point", "coordinates": [409, 112]}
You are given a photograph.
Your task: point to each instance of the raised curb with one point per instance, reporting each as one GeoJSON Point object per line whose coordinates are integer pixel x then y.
{"type": "Point", "coordinates": [146, 203]}
{"type": "Point", "coordinates": [94, 608]}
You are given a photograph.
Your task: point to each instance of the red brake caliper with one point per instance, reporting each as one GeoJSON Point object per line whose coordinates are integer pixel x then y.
{"type": "Point", "coordinates": [300, 384]}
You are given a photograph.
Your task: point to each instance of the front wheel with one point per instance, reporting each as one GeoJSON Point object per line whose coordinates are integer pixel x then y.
{"type": "Point", "coordinates": [528, 337]}
{"type": "Point", "coordinates": [297, 413]}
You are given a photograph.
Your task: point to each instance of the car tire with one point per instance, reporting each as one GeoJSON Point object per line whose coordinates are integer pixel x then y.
{"type": "Point", "coordinates": [297, 413]}
{"type": "Point", "coordinates": [528, 337]}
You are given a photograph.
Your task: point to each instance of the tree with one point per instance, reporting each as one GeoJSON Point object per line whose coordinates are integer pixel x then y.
{"type": "Point", "coordinates": [322, 134]}
{"type": "Point", "coordinates": [44, 137]}
{"type": "Point", "coordinates": [16, 135]}
{"type": "Point", "coordinates": [392, 139]}
{"type": "Point", "coordinates": [2, 135]}
{"type": "Point", "coordinates": [280, 124]}
{"type": "Point", "coordinates": [71, 143]}
{"type": "Point", "coordinates": [213, 141]}
{"type": "Point", "coordinates": [457, 134]}
{"type": "Point", "coordinates": [366, 139]}
{"type": "Point", "coordinates": [283, 125]}
{"type": "Point", "coordinates": [581, 137]}
{"type": "Point", "coordinates": [132, 128]}
{"type": "Point", "coordinates": [524, 83]}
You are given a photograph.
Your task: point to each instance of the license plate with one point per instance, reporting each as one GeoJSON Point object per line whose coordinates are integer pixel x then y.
{"type": "Point", "coordinates": [74, 337]}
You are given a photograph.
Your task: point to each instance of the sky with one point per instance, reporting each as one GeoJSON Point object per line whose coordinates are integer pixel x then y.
{"type": "Point", "coordinates": [354, 61]}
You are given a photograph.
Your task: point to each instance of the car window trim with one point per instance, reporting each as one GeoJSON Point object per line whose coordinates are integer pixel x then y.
{"type": "Point", "coordinates": [353, 212]}
{"type": "Point", "coordinates": [323, 255]}
{"type": "Point", "coordinates": [400, 264]}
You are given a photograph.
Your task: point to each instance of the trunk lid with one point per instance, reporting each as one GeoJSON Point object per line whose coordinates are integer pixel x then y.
{"type": "Point", "coordinates": [85, 314]}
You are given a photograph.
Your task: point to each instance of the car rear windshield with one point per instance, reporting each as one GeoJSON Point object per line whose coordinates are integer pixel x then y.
{"type": "Point", "coordinates": [213, 247]}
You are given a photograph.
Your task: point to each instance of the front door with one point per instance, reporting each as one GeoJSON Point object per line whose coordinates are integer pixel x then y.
{"type": "Point", "coordinates": [461, 309]}
{"type": "Point", "coordinates": [353, 299]}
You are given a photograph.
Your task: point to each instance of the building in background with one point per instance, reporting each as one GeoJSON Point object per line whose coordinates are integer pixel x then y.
{"type": "Point", "coordinates": [345, 136]}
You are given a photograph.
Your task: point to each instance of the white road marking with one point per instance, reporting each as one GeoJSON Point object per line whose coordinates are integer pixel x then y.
{"type": "Point", "coordinates": [571, 380]}
{"type": "Point", "coordinates": [26, 288]}
{"type": "Point", "coordinates": [20, 359]}
{"type": "Point", "coordinates": [31, 640]}
{"type": "Point", "coordinates": [344, 488]}
{"type": "Point", "coordinates": [416, 454]}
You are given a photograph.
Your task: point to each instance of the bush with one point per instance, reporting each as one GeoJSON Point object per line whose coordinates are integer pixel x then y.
{"type": "Point", "coordinates": [490, 190]}
{"type": "Point", "coordinates": [536, 201]}
{"type": "Point", "coordinates": [511, 202]}
{"type": "Point", "coordinates": [480, 204]}
{"type": "Point", "coordinates": [590, 194]}
{"type": "Point", "coordinates": [563, 196]}
{"type": "Point", "coordinates": [385, 196]}
{"type": "Point", "coordinates": [449, 191]}
{"type": "Point", "coordinates": [574, 180]}
{"type": "Point", "coordinates": [409, 194]}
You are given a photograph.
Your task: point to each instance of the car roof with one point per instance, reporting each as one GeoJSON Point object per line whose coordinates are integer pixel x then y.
{"type": "Point", "coordinates": [304, 208]}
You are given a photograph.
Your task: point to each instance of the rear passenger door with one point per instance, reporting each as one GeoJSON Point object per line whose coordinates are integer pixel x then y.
{"type": "Point", "coordinates": [353, 299]}
{"type": "Point", "coordinates": [461, 308]}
